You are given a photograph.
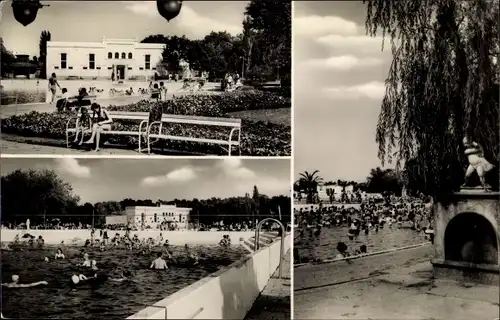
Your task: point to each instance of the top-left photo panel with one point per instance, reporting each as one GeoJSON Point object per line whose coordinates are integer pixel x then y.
{"type": "Point", "coordinates": [158, 78]}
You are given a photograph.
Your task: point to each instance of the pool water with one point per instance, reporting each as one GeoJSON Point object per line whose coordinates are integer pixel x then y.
{"type": "Point", "coordinates": [111, 299]}
{"type": "Point", "coordinates": [324, 246]}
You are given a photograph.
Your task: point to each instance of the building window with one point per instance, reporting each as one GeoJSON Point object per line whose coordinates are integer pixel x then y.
{"type": "Point", "coordinates": [117, 55]}
{"type": "Point", "coordinates": [129, 68]}
{"type": "Point", "coordinates": [91, 61]}
{"type": "Point", "coordinates": [64, 60]}
{"type": "Point", "coordinates": [180, 217]}
{"type": "Point", "coordinates": [70, 68]}
{"type": "Point", "coordinates": [156, 218]}
{"type": "Point", "coordinates": [85, 68]}
{"type": "Point", "coordinates": [141, 68]}
{"type": "Point", "coordinates": [56, 67]}
{"type": "Point", "coordinates": [110, 55]}
{"type": "Point", "coordinates": [153, 68]}
{"type": "Point", "coordinates": [130, 55]}
{"type": "Point", "coordinates": [123, 55]}
{"type": "Point", "coordinates": [148, 61]}
{"type": "Point", "coordinates": [98, 68]}
{"type": "Point", "coordinates": [109, 68]}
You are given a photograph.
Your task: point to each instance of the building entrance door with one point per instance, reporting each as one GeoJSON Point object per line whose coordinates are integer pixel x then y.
{"type": "Point", "coordinates": [120, 72]}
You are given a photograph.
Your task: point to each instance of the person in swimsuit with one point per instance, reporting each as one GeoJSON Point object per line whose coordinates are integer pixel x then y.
{"type": "Point", "coordinates": [15, 283]}
{"type": "Point", "coordinates": [86, 261]}
{"type": "Point", "coordinates": [104, 122]}
{"type": "Point", "coordinates": [53, 84]}
{"type": "Point", "coordinates": [159, 263]}
{"type": "Point", "coordinates": [59, 254]}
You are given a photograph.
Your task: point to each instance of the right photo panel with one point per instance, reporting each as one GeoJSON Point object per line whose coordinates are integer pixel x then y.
{"type": "Point", "coordinates": [396, 155]}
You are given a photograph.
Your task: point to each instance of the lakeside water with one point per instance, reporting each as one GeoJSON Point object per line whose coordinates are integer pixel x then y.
{"type": "Point", "coordinates": [324, 246]}
{"type": "Point", "coordinates": [110, 300]}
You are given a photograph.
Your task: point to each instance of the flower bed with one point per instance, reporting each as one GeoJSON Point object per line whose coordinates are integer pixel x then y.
{"type": "Point", "coordinates": [9, 97]}
{"type": "Point", "coordinates": [212, 105]}
{"type": "Point", "coordinates": [257, 138]}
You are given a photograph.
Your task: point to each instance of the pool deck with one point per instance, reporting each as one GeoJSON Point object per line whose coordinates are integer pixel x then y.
{"type": "Point", "coordinates": [274, 301]}
{"type": "Point", "coordinates": [397, 285]}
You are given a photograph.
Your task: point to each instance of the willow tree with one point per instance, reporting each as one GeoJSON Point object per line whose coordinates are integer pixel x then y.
{"type": "Point", "coordinates": [442, 85]}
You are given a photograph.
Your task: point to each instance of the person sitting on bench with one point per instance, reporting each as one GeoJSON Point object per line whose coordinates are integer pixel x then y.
{"type": "Point", "coordinates": [62, 103]}
{"type": "Point", "coordinates": [155, 92]}
{"type": "Point", "coordinates": [103, 122]}
{"type": "Point", "coordinates": [83, 124]}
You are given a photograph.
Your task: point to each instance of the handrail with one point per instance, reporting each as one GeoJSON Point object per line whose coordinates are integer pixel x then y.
{"type": "Point", "coordinates": [282, 247]}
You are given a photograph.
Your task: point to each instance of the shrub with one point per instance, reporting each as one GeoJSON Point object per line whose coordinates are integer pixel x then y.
{"type": "Point", "coordinates": [9, 97]}
{"type": "Point", "coordinates": [257, 138]}
{"type": "Point", "coordinates": [212, 105]}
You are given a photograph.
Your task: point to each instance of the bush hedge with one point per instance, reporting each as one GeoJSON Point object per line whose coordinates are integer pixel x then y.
{"type": "Point", "coordinates": [212, 105]}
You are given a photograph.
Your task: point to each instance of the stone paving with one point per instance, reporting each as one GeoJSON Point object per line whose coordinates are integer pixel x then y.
{"type": "Point", "coordinates": [390, 286]}
{"type": "Point", "coordinates": [274, 301]}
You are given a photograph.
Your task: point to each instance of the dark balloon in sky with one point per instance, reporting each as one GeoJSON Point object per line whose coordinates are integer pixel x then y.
{"type": "Point", "coordinates": [25, 11]}
{"type": "Point", "coordinates": [169, 9]}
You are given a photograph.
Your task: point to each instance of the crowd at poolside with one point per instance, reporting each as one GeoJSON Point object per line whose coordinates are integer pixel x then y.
{"type": "Point", "coordinates": [368, 217]}
{"type": "Point", "coordinates": [91, 273]}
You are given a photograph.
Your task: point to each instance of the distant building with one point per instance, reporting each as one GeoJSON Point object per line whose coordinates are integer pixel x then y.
{"type": "Point", "coordinates": [127, 59]}
{"type": "Point", "coordinates": [337, 190]}
{"type": "Point", "coordinates": [154, 216]}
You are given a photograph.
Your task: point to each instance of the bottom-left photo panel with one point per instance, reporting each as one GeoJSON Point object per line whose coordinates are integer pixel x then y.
{"type": "Point", "coordinates": [145, 238]}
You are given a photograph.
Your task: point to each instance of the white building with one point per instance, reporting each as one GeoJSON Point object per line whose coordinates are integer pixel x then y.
{"type": "Point", "coordinates": [127, 59]}
{"type": "Point", "coordinates": [154, 216]}
{"type": "Point", "coordinates": [337, 190]}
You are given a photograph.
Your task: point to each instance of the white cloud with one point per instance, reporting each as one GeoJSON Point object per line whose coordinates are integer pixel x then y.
{"type": "Point", "coordinates": [343, 63]}
{"type": "Point", "coordinates": [195, 25]}
{"type": "Point", "coordinates": [317, 25]}
{"type": "Point", "coordinates": [371, 90]}
{"type": "Point", "coordinates": [72, 167]}
{"type": "Point", "coordinates": [184, 174]}
{"type": "Point", "coordinates": [230, 163]}
{"type": "Point", "coordinates": [358, 43]}
{"type": "Point", "coordinates": [270, 186]}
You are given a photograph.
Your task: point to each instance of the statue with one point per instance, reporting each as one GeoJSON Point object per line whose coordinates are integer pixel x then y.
{"type": "Point", "coordinates": [477, 162]}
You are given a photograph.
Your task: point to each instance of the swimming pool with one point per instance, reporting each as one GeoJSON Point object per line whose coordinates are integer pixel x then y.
{"type": "Point", "coordinates": [111, 299]}
{"type": "Point", "coordinates": [324, 246]}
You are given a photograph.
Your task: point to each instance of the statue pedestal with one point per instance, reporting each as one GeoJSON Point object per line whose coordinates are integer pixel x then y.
{"type": "Point", "coordinates": [467, 238]}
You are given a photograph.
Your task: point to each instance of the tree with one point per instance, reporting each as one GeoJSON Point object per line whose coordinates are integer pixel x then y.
{"type": "Point", "coordinates": [45, 36]}
{"type": "Point", "coordinates": [309, 183]}
{"type": "Point", "coordinates": [381, 180]}
{"type": "Point", "coordinates": [7, 58]}
{"type": "Point", "coordinates": [35, 195]}
{"type": "Point", "coordinates": [272, 21]}
{"type": "Point", "coordinates": [442, 85]}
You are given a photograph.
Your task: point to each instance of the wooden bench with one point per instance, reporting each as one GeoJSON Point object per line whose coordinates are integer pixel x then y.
{"type": "Point", "coordinates": [122, 115]}
{"type": "Point", "coordinates": [234, 124]}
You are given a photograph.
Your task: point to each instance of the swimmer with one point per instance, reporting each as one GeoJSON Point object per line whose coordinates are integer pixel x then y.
{"type": "Point", "coordinates": [15, 283]}
{"type": "Point", "coordinates": [46, 259]}
{"type": "Point", "coordinates": [59, 254]}
{"type": "Point", "coordinates": [94, 265]}
{"type": "Point", "coordinates": [159, 263]}
{"type": "Point", "coordinates": [123, 276]}
{"type": "Point", "coordinates": [86, 262]}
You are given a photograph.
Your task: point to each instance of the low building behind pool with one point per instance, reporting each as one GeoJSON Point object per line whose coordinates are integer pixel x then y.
{"type": "Point", "coordinates": [126, 58]}
{"type": "Point", "coordinates": [152, 217]}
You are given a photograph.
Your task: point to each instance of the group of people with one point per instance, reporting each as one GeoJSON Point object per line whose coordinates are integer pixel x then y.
{"type": "Point", "coordinates": [231, 82]}
{"type": "Point", "coordinates": [368, 217]}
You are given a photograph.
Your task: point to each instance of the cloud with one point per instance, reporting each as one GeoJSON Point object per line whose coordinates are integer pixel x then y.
{"type": "Point", "coordinates": [195, 25]}
{"type": "Point", "coordinates": [357, 43]}
{"type": "Point", "coordinates": [343, 63]}
{"type": "Point", "coordinates": [183, 174]}
{"type": "Point", "coordinates": [233, 167]}
{"type": "Point", "coordinates": [371, 90]}
{"type": "Point", "coordinates": [72, 167]}
{"type": "Point", "coordinates": [317, 25]}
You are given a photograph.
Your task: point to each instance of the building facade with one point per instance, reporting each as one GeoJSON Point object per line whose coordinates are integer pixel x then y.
{"type": "Point", "coordinates": [126, 59]}
{"type": "Point", "coordinates": [169, 215]}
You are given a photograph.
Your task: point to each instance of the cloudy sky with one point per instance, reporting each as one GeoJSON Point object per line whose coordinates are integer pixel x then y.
{"type": "Point", "coordinates": [339, 75]}
{"type": "Point", "coordinates": [115, 179]}
{"type": "Point", "coordinates": [91, 20]}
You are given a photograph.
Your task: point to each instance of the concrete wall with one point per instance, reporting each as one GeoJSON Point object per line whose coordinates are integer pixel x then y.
{"type": "Point", "coordinates": [226, 294]}
{"type": "Point", "coordinates": [174, 237]}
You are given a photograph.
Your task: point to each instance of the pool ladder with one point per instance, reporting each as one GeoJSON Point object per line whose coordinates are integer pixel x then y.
{"type": "Point", "coordinates": [282, 248]}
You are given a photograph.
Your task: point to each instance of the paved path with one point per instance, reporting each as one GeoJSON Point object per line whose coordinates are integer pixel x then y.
{"type": "Point", "coordinates": [393, 286]}
{"type": "Point", "coordinates": [274, 301]}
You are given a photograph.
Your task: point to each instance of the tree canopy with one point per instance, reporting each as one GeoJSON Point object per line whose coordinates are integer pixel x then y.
{"type": "Point", "coordinates": [34, 194]}
{"type": "Point", "coordinates": [442, 85]}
